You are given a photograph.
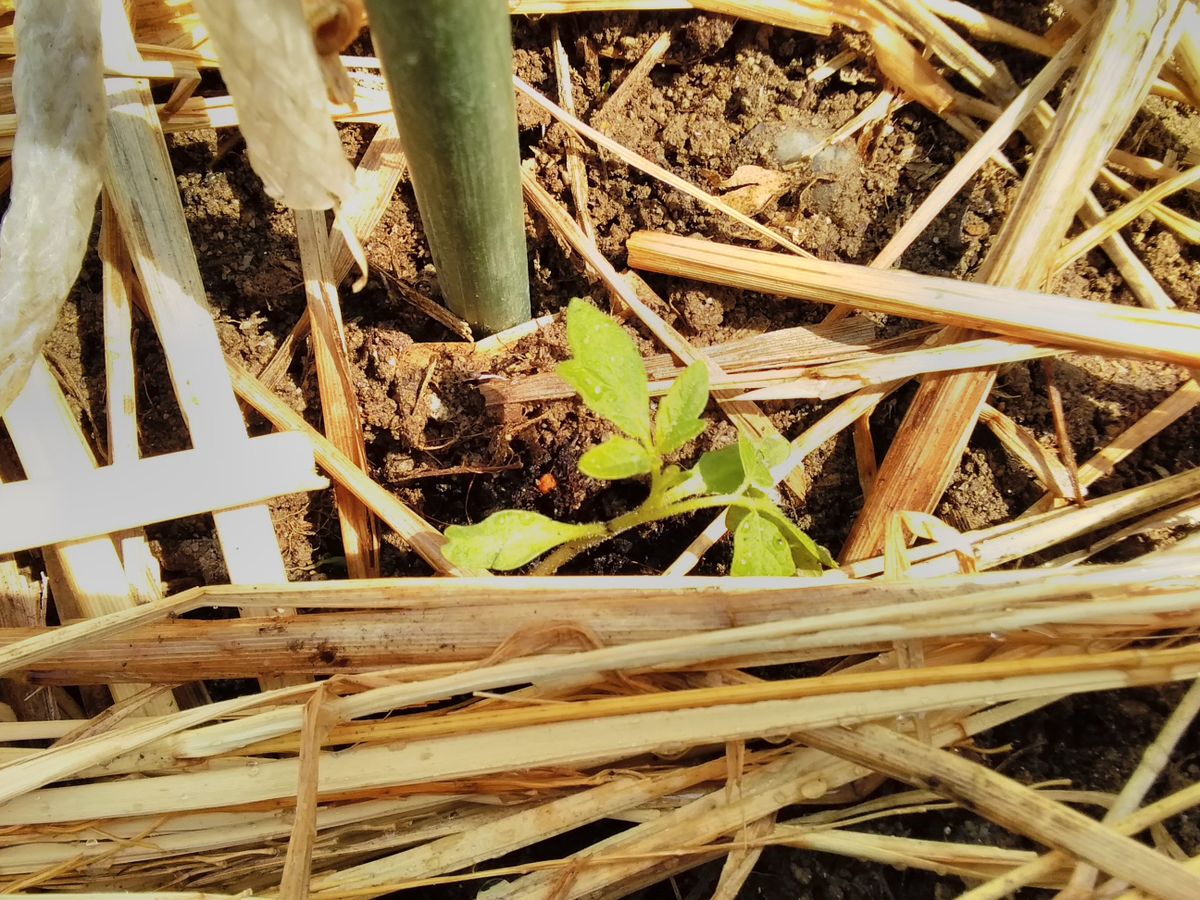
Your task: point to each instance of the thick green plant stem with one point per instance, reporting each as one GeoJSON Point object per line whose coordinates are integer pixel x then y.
{"type": "Point", "coordinates": [449, 69]}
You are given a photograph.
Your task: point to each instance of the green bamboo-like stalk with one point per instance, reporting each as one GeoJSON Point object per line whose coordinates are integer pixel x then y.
{"type": "Point", "coordinates": [448, 65]}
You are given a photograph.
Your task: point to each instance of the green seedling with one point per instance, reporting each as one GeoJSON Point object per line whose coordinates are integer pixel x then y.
{"type": "Point", "coordinates": [607, 373]}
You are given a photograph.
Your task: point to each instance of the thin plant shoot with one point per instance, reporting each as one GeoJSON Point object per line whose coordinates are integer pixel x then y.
{"type": "Point", "coordinates": [607, 372]}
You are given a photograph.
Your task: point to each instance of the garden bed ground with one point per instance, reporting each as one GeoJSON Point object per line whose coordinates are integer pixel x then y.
{"type": "Point", "coordinates": [718, 100]}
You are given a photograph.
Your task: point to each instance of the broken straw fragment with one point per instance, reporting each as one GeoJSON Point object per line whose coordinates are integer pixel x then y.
{"type": "Point", "coordinates": [57, 157]}
{"type": "Point", "coordinates": [334, 25]}
{"type": "Point", "coordinates": [269, 64]}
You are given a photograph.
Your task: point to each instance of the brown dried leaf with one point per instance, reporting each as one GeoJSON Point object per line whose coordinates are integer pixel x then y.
{"type": "Point", "coordinates": [753, 188]}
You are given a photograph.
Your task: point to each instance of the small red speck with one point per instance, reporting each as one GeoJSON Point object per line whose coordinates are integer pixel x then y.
{"type": "Point", "coordinates": [547, 483]}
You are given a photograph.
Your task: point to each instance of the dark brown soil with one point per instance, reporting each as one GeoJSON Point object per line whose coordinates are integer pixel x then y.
{"type": "Point", "coordinates": [723, 95]}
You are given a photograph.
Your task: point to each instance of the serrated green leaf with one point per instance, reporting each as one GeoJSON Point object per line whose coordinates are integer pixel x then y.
{"type": "Point", "coordinates": [685, 433]}
{"type": "Point", "coordinates": [678, 419]}
{"type": "Point", "coordinates": [774, 449]}
{"type": "Point", "coordinates": [606, 370]}
{"type": "Point", "coordinates": [618, 457]}
{"type": "Point", "coordinates": [722, 470]}
{"type": "Point", "coordinates": [809, 556]}
{"type": "Point", "coordinates": [755, 467]}
{"type": "Point", "coordinates": [508, 539]}
{"type": "Point", "coordinates": [760, 549]}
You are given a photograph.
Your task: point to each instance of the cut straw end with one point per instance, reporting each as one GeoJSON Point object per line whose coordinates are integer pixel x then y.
{"type": "Point", "coordinates": [1108, 329]}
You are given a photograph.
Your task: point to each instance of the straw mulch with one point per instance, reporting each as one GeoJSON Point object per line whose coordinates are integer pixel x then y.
{"type": "Point", "coordinates": [459, 717]}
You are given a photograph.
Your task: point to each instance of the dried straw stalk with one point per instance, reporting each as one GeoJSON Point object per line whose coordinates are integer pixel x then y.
{"type": "Point", "coordinates": [1011, 804]}
{"type": "Point", "coordinates": [1048, 470]}
{"type": "Point", "coordinates": [414, 622]}
{"type": "Point", "coordinates": [1113, 222]}
{"type": "Point", "coordinates": [1151, 765]}
{"type": "Point", "coordinates": [979, 152]}
{"type": "Point", "coordinates": [1180, 515]}
{"type": "Point", "coordinates": [844, 339]}
{"type": "Point", "coordinates": [1167, 412]}
{"type": "Point", "coordinates": [117, 841]}
{"type": "Point", "coordinates": [628, 157]}
{"type": "Point", "coordinates": [1000, 611]}
{"type": "Point", "coordinates": [576, 170]}
{"type": "Point", "coordinates": [967, 861]}
{"type": "Point", "coordinates": [625, 91]}
{"type": "Point", "coordinates": [999, 544]}
{"type": "Point", "coordinates": [371, 105]}
{"type": "Point", "coordinates": [1187, 55]}
{"type": "Point", "coordinates": [802, 776]}
{"type": "Point", "coordinates": [824, 382]}
{"type": "Point", "coordinates": [1132, 42]}
{"type": "Point", "coordinates": [464, 722]}
{"type": "Point", "coordinates": [375, 179]}
{"type": "Point", "coordinates": [1143, 285]}
{"type": "Point", "coordinates": [339, 400]}
{"type": "Point", "coordinates": [423, 537]}
{"type": "Point", "coordinates": [1187, 228]}
{"type": "Point", "coordinates": [815, 16]}
{"type": "Point", "coordinates": [520, 829]}
{"type": "Point", "coordinates": [1164, 335]}
{"type": "Point", "coordinates": [988, 28]}
{"type": "Point", "coordinates": [1144, 818]}
{"type": "Point", "coordinates": [552, 736]}
{"type": "Point", "coordinates": [740, 863]}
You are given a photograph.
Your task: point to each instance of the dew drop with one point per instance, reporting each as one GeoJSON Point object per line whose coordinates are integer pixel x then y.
{"type": "Point", "coordinates": [813, 789]}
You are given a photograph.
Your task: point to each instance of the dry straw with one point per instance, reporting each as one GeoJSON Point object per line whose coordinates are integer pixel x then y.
{"type": "Point", "coordinates": [1064, 322]}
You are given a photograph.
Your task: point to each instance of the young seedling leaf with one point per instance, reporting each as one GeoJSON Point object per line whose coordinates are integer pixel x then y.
{"type": "Point", "coordinates": [734, 517]}
{"type": "Point", "coordinates": [606, 370]}
{"type": "Point", "coordinates": [758, 473]}
{"type": "Point", "coordinates": [618, 457]}
{"type": "Point", "coordinates": [508, 539]}
{"type": "Point", "coordinates": [722, 470]}
{"type": "Point", "coordinates": [678, 418]}
{"type": "Point", "coordinates": [809, 556]}
{"type": "Point", "coordinates": [808, 563]}
{"type": "Point", "coordinates": [774, 449]}
{"type": "Point", "coordinates": [760, 549]}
